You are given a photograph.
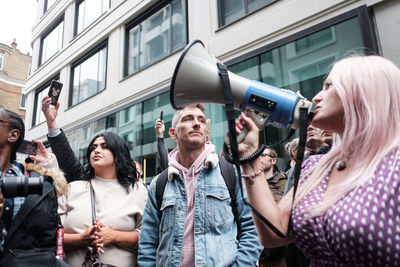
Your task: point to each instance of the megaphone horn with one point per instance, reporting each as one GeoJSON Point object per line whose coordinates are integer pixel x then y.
{"type": "Point", "coordinates": [196, 79]}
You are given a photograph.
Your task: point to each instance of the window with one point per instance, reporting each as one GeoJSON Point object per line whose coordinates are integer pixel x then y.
{"type": "Point", "coordinates": [301, 64]}
{"type": "Point", "coordinates": [1, 60]}
{"type": "Point", "coordinates": [51, 41]}
{"type": "Point", "coordinates": [38, 116]}
{"type": "Point", "coordinates": [88, 11]}
{"type": "Point", "coordinates": [22, 102]}
{"type": "Point", "coordinates": [88, 75]}
{"type": "Point", "coordinates": [153, 37]}
{"type": "Point", "coordinates": [48, 4]}
{"type": "Point", "coordinates": [232, 10]}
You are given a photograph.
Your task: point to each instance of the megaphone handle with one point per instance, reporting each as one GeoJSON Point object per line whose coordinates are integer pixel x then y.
{"type": "Point", "coordinates": [239, 137]}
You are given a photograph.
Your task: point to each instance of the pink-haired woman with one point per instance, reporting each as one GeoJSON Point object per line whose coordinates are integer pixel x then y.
{"type": "Point", "coordinates": [347, 206]}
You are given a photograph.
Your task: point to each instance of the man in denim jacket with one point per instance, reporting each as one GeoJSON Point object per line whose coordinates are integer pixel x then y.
{"type": "Point", "coordinates": [196, 226]}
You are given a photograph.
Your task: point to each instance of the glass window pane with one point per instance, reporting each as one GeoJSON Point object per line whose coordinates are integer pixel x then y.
{"type": "Point", "coordinates": [52, 42]}
{"type": "Point", "coordinates": [157, 36]}
{"type": "Point", "coordinates": [88, 81]}
{"type": "Point", "coordinates": [254, 5]}
{"type": "Point", "coordinates": [89, 11]}
{"type": "Point", "coordinates": [133, 50]}
{"type": "Point", "coordinates": [49, 4]}
{"type": "Point", "coordinates": [1, 60]}
{"type": "Point", "coordinates": [81, 16]}
{"type": "Point", "coordinates": [302, 65]}
{"type": "Point", "coordinates": [89, 77]}
{"type": "Point", "coordinates": [76, 72]}
{"type": "Point", "coordinates": [101, 75]}
{"type": "Point", "coordinates": [232, 10]}
{"type": "Point", "coordinates": [247, 69]}
{"type": "Point", "coordinates": [22, 102]}
{"type": "Point", "coordinates": [315, 40]}
{"type": "Point", "coordinates": [39, 114]}
{"type": "Point", "coordinates": [178, 25]}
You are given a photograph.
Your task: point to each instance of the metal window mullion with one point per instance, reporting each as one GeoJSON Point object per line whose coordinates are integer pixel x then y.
{"type": "Point", "coordinates": [170, 28]}
{"type": "Point", "coordinates": [139, 44]}
{"type": "Point", "coordinates": [246, 7]}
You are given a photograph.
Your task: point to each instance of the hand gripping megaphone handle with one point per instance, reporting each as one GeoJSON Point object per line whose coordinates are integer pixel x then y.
{"type": "Point", "coordinates": [239, 137]}
{"type": "Point", "coordinates": [259, 118]}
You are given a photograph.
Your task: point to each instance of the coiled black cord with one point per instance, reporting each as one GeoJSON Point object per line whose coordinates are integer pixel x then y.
{"type": "Point", "coordinates": [257, 153]}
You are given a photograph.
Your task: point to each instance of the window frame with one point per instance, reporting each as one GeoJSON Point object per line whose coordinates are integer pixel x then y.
{"type": "Point", "coordinates": [78, 2]}
{"type": "Point", "coordinates": [23, 97]}
{"type": "Point", "coordinates": [46, 33]}
{"type": "Point", "coordinates": [79, 61]}
{"type": "Point", "coordinates": [46, 6]}
{"type": "Point", "coordinates": [368, 34]}
{"type": "Point", "coordinates": [40, 89]}
{"type": "Point", "coordinates": [221, 17]}
{"type": "Point", "coordinates": [2, 55]}
{"type": "Point", "coordinates": [139, 19]}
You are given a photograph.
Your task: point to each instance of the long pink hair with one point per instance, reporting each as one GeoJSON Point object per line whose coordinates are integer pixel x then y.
{"type": "Point", "coordinates": [369, 89]}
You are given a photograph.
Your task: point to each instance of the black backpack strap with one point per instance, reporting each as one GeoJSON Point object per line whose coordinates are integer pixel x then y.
{"type": "Point", "coordinates": [230, 180]}
{"type": "Point", "coordinates": [160, 187]}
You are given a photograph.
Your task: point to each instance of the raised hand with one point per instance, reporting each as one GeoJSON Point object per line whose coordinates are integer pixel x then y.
{"type": "Point", "coordinates": [160, 128]}
{"type": "Point", "coordinates": [250, 142]}
{"type": "Point", "coordinates": [50, 112]}
{"type": "Point", "coordinates": [41, 153]}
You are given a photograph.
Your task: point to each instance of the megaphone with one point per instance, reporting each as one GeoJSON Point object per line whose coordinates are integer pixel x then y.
{"type": "Point", "coordinates": [196, 80]}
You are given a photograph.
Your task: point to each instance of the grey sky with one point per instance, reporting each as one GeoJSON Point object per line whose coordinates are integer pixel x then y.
{"type": "Point", "coordinates": [16, 21]}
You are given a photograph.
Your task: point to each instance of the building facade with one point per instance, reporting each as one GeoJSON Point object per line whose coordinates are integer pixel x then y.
{"type": "Point", "coordinates": [116, 57]}
{"type": "Point", "coordinates": [14, 69]}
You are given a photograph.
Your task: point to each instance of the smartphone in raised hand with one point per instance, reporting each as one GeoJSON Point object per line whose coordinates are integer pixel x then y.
{"type": "Point", "coordinates": [161, 115]}
{"type": "Point", "coordinates": [54, 91]}
{"type": "Point", "coordinates": [28, 147]}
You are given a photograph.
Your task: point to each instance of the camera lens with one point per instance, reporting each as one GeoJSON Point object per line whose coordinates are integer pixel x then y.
{"type": "Point", "coordinates": [21, 186]}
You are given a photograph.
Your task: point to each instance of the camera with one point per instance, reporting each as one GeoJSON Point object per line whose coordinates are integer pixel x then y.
{"type": "Point", "coordinates": [20, 186]}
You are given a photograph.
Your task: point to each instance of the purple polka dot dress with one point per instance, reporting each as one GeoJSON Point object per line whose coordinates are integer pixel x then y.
{"type": "Point", "coordinates": [361, 229]}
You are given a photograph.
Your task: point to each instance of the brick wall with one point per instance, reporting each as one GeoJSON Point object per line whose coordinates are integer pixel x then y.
{"type": "Point", "coordinates": [12, 77]}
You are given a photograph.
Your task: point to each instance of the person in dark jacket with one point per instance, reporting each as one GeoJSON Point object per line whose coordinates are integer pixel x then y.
{"type": "Point", "coordinates": [29, 224]}
{"type": "Point", "coordinates": [161, 147]}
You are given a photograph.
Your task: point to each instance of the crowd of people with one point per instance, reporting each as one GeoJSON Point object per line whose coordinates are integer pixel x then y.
{"type": "Point", "coordinates": [194, 213]}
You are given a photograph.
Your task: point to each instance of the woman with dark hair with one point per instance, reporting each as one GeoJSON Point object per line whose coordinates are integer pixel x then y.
{"type": "Point", "coordinates": [119, 199]}
{"type": "Point", "coordinates": [28, 224]}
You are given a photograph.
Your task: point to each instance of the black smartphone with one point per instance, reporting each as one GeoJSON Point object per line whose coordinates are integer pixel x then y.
{"type": "Point", "coordinates": [54, 91]}
{"type": "Point", "coordinates": [161, 114]}
{"type": "Point", "coordinates": [28, 147]}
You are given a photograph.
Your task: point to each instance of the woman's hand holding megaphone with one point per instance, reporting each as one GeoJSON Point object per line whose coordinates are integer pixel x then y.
{"type": "Point", "coordinates": [250, 141]}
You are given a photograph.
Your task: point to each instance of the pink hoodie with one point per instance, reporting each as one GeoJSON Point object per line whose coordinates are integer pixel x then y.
{"type": "Point", "coordinates": [190, 177]}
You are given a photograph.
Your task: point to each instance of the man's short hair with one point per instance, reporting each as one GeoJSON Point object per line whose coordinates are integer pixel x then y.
{"type": "Point", "coordinates": [177, 114]}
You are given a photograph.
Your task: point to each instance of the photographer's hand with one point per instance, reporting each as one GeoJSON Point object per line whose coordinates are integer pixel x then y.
{"type": "Point", "coordinates": [50, 113]}
{"type": "Point", "coordinates": [41, 153]}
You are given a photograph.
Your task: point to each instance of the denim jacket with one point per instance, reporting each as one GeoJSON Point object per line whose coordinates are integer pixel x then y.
{"type": "Point", "coordinates": [215, 229]}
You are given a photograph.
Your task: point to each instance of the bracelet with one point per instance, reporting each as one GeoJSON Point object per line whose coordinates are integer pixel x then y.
{"type": "Point", "coordinates": [252, 176]}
